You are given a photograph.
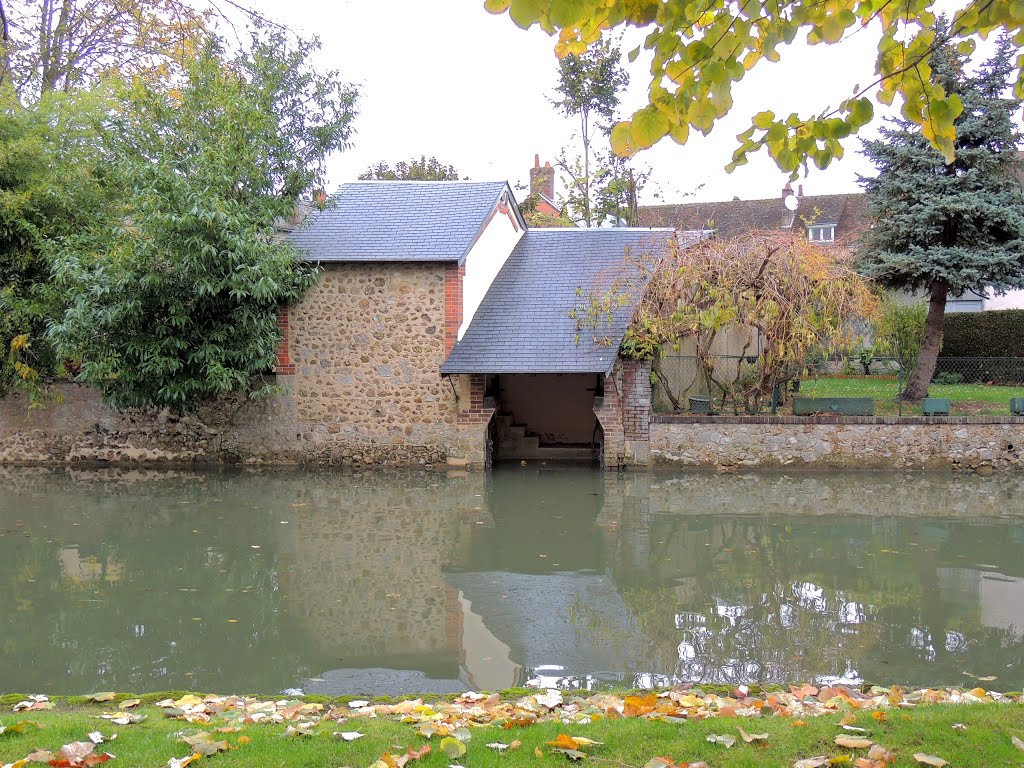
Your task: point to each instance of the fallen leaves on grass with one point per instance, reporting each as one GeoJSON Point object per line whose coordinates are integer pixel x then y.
{"type": "Point", "coordinates": [936, 762]}
{"type": "Point", "coordinates": [20, 726]}
{"type": "Point", "coordinates": [33, 703]}
{"type": "Point", "coordinates": [1016, 742]}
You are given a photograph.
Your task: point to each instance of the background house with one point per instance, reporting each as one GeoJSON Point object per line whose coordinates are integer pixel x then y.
{"type": "Point", "coordinates": [826, 219]}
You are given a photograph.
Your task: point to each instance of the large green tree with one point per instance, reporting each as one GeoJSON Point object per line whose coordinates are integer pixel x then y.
{"type": "Point", "coordinates": [699, 49]}
{"type": "Point", "coordinates": [47, 190]}
{"type": "Point", "coordinates": [173, 292]}
{"type": "Point", "coordinates": [949, 227]}
{"type": "Point", "coordinates": [423, 169]}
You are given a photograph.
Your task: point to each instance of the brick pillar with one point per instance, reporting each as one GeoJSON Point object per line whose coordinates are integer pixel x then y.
{"type": "Point", "coordinates": [636, 410]}
{"type": "Point", "coordinates": [476, 411]}
{"type": "Point", "coordinates": [453, 279]}
{"type": "Point", "coordinates": [284, 366]}
{"type": "Point", "coordinates": [625, 414]}
{"type": "Point", "coordinates": [609, 415]}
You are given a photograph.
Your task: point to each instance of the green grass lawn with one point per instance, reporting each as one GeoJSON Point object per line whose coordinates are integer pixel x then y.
{"type": "Point", "coordinates": [983, 736]}
{"type": "Point", "coordinates": [966, 399]}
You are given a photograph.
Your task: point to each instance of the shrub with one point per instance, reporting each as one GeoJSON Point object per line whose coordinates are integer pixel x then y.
{"type": "Point", "coordinates": [948, 377]}
{"type": "Point", "coordinates": [999, 333]}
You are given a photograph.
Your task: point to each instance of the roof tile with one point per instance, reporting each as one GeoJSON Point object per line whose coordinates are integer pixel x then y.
{"type": "Point", "coordinates": [399, 221]}
{"type": "Point", "coordinates": [523, 323]}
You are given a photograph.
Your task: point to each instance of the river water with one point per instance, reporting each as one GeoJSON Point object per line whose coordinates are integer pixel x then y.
{"type": "Point", "coordinates": [332, 582]}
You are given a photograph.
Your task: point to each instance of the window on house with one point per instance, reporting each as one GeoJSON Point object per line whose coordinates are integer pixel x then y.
{"type": "Point", "coordinates": [821, 233]}
{"type": "Point", "coordinates": [696, 235]}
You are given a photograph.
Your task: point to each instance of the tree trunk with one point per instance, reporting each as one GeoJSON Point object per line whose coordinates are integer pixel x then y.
{"type": "Point", "coordinates": [917, 387]}
{"type": "Point", "coordinates": [5, 41]}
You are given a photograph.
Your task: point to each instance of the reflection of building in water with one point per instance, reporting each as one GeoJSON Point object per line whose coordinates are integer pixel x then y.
{"type": "Point", "coordinates": [362, 571]}
{"type": "Point", "coordinates": [78, 569]}
{"type": "Point", "coordinates": [392, 577]}
{"type": "Point", "coordinates": [996, 601]}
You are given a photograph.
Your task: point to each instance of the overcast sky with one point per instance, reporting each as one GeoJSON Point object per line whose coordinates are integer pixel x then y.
{"type": "Point", "coordinates": [446, 78]}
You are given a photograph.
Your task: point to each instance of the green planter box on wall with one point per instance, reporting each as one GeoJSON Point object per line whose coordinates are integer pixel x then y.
{"type": "Point", "coordinates": [700, 404]}
{"type": "Point", "coordinates": [935, 406]}
{"type": "Point", "coordinates": [844, 406]}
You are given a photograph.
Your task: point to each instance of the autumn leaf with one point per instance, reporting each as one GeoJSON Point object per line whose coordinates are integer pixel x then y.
{"type": "Point", "coordinates": [563, 741]}
{"type": "Point", "coordinates": [725, 740]}
{"type": "Point", "coordinates": [797, 724]}
{"type": "Point", "coordinates": [879, 715]}
{"type": "Point", "coordinates": [749, 737]}
{"type": "Point", "coordinates": [182, 762]}
{"type": "Point", "coordinates": [452, 747]}
{"type": "Point", "coordinates": [129, 703]}
{"type": "Point", "coordinates": [881, 754]}
{"type": "Point", "coordinates": [572, 754]}
{"type": "Point", "coordinates": [501, 746]}
{"type": "Point", "coordinates": [853, 742]}
{"type": "Point", "coordinates": [811, 762]}
{"type": "Point", "coordinates": [936, 762]}
{"type": "Point", "coordinates": [104, 696]}
{"type": "Point", "coordinates": [20, 727]}
{"type": "Point", "coordinates": [634, 706]}
{"type": "Point", "coordinates": [348, 735]}
{"type": "Point", "coordinates": [1017, 742]}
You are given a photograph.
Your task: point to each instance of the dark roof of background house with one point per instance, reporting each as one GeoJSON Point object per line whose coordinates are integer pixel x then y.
{"type": "Point", "coordinates": [523, 323]}
{"type": "Point", "coordinates": [400, 221]}
{"type": "Point", "coordinates": [734, 217]}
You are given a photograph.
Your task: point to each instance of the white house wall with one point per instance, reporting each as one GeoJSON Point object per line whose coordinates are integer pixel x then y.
{"type": "Point", "coordinates": [485, 260]}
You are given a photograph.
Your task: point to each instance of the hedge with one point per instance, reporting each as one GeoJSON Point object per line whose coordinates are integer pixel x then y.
{"type": "Point", "coordinates": [998, 333]}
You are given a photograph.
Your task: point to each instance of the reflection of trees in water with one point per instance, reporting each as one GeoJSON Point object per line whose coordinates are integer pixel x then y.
{"type": "Point", "coordinates": [737, 599]}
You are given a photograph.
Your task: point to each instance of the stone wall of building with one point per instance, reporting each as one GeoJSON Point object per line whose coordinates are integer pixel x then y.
{"type": "Point", "coordinates": [982, 444]}
{"type": "Point", "coordinates": [365, 344]}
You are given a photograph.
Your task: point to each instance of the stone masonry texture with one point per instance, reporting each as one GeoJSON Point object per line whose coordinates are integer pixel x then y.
{"type": "Point", "coordinates": [366, 343]}
{"type": "Point", "coordinates": [976, 444]}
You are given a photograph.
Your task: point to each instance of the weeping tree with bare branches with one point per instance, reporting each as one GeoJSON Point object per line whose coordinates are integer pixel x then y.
{"type": "Point", "coordinates": [797, 299]}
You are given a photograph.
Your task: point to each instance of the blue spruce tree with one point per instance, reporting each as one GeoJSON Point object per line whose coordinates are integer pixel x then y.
{"type": "Point", "coordinates": [949, 228]}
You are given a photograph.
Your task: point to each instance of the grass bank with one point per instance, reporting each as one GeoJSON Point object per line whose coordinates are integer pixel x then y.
{"type": "Point", "coordinates": [541, 730]}
{"type": "Point", "coordinates": [965, 399]}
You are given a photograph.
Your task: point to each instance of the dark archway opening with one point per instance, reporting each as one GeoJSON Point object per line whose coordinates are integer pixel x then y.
{"type": "Point", "coordinates": [547, 417]}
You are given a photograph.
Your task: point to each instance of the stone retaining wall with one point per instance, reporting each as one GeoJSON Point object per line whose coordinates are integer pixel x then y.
{"type": "Point", "coordinates": [364, 349]}
{"type": "Point", "coordinates": [982, 444]}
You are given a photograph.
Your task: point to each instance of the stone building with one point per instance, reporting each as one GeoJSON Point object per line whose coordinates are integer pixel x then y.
{"type": "Point", "coordinates": [442, 329]}
{"type": "Point", "coordinates": [441, 332]}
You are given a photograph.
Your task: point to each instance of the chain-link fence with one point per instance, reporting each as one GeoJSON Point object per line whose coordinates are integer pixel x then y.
{"type": "Point", "coordinates": [851, 385]}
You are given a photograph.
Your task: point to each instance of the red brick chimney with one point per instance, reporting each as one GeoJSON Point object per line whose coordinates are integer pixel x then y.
{"type": "Point", "coordinates": [542, 180]}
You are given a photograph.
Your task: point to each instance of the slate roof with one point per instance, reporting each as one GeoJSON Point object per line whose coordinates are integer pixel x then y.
{"type": "Point", "coordinates": [523, 323]}
{"type": "Point", "coordinates": [734, 217]}
{"type": "Point", "coordinates": [400, 221]}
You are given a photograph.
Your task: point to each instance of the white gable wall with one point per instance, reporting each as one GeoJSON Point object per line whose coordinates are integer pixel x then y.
{"type": "Point", "coordinates": [486, 258]}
